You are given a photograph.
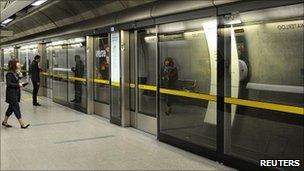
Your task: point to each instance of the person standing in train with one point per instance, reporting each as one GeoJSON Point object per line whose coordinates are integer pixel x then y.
{"type": "Point", "coordinates": [79, 72]}
{"type": "Point", "coordinates": [169, 77]}
{"type": "Point", "coordinates": [13, 93]}
{"type": "Point", "coordinates": [35, 77]}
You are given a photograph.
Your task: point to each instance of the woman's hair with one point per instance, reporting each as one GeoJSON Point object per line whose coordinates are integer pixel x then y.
{"type": "Point", "coordinates": [12, 64]}
{"type": "Point", "coordinates": [171, 62]}
{"type": "Point", "coordinates": [37, 57]}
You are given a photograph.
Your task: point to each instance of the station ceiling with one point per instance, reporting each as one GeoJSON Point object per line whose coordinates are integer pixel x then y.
{"type": "Point", "coordinates": [58, 13]}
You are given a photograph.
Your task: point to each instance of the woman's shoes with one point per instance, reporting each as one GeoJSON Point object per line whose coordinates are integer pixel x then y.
{"type": "Point", "coordinates": [6, 125]}
{"type": "Point", "coordinates": [9, 126]}
{"type": "Point", "coordinates": [24, 127]}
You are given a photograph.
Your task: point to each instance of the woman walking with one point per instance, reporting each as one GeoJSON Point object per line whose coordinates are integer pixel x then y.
{"type": "Point", "coordinates": [13, 94]}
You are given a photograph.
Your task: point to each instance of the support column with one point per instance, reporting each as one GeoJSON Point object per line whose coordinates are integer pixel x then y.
{"type": "Point", "coordinates": [90, 73]}
{"type": "Point", "coordinates": [125, 98]}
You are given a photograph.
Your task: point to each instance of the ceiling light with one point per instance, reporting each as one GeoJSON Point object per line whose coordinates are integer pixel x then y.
{"type": "Point", "coordinates": [7, 21]}
{"type": "Point", "coordinates": [39, 2]}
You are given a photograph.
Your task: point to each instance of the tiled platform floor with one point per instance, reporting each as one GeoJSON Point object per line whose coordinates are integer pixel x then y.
{"type": "Point", "coordinates": [64, 139]}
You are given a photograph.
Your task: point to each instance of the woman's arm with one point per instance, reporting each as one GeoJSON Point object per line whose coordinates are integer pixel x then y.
{"type": "Point", "coordinates": [9, 81]}
{"type": "Point", "coordinates": [173, 72]}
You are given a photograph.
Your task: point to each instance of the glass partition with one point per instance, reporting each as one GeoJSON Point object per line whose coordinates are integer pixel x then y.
{"type": "Point", "coordinates": [77, 72]}
{"type": "Point", "coordinates": [26, 56]}
{"type": "Point", "coordinates": [8, 54]}
{"type": "Point", "coordinates": [60, 71]}
{"type": "Point", "coordinates": [264, 84]}
{"type": "Point", "coordinates": [101, 70]}
{"type": "Point", "coordinates": [146, 52]}
{"type": "Point", "coordinates": [49, 68]}
{"type": "Point", "coordinates": [187, 62]}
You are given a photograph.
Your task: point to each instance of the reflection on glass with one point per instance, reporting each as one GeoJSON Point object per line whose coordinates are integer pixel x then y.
{"type": "Point", "coordinates": [101, 71]}
{"type": "Point", "coordinates": [188, 70]}
{"type": "Point", "coordinates": [77, 72]}
{"type": "Point", "coordinates": [266, 60]}
{"type": "Point", "coordinates": [49, 68]}
{"type": "Point", "coordinates": [60, 72]}
{"type": "Point", "coordinates": [146, 49]}
{"type": "Point", "coordinates": [26, 54]}
{"type": "Point", "coordinates": [8, 54]}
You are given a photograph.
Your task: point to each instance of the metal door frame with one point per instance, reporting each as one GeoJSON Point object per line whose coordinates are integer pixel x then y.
{"type": "Point", "coordinates": [141, 121]}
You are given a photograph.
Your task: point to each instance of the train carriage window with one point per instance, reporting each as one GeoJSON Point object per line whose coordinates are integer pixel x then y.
{"type": "Point", "coordinates": [264, 78]}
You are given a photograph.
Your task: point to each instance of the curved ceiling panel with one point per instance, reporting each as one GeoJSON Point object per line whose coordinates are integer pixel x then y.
{"type": "Point", "coordinates": [77, 15]}
{"type": "Point", "coordinates": [162, 8]}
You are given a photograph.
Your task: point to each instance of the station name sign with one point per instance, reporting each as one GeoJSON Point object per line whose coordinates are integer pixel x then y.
{"type": "Point", "coordinates": [290, 26]}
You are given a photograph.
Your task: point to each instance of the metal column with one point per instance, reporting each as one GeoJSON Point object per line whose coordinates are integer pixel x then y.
{"type": "Point", "coordinates": [90, 74]}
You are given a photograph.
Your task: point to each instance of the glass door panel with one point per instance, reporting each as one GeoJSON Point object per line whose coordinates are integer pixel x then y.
{"type": "Point", "coordinates": [60, 73]}
{"type": "Point", "coordinates": [188, 81]}
{"type": "Point", "coordinates": [77, 73]}
{"type": "Point", "coordinates": [264, 76]}
{"type": "Point", "coordinates": [23, 58]}
{"type": "Point", "coordinates": [49, 69]}
{"type": "Point", "coordinates": [8, 54]}
{"type": "Point", "coordinates": [32, 51]}
{"type": "Point", "coordinates": [146, 52]}
{"type": "Point", "coordinates": [101, 71]}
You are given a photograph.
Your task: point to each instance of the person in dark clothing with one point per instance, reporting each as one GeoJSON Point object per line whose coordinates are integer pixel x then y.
{"type": "Point", "coordinates": [35, 77]}
{"type": "Point", "coordinates": [13, 94]}
{"type": "Point", "coordinates": [104, 69]}
{"type": "Point", "coordinates": [79, 72]}
{"type": "Point", "coordinates": [169, 76]}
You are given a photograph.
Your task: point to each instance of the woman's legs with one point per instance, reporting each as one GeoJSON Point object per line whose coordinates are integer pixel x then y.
{"type": "Point", "coordinates": [8, 113]}
{"type": "Point", "coordinates": [14, 107]}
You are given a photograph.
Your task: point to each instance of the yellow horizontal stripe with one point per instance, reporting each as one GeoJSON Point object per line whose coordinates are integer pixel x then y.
{"type": "Point", "coordinates": [115, 84]}
{"type": "Point", "coordinates": [61, 77]}
{"type": "Point", "coordinates": [100, 81]}
{"type": "Point", "coordinates": [188, 94]}
{"type": "Point", "coordinates": [266, 105]}
{"type": "Point", "coordinates": [147, 87]}
{"type": "Point", "coordinates": [229, 100]}
{"type": "Point", "coordinates": [77, 79]}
